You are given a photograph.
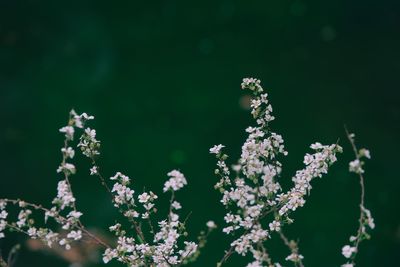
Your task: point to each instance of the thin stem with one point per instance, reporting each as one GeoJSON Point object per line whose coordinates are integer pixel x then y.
{"type": "Point", "coordinates": [171, 200]}
{"type": "Point", "coordinates": [268, 259]}
{"type": "Point", "coordinates": [58, 217]}
{"type": "Point", "coordinates": [102, 180]}
{"type": "Point", "coordinates": [293, 246]}
{"type": "Point", "coordinates": [362, 187]}
{"type": "Point", "coordinates": [12, 256]}
{"type": "Point", "coordinates": [225, 257]}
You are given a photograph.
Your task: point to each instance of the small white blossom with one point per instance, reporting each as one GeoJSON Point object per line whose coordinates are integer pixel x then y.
{"type": "Point", "coordinates": [177, 181]}
{"type": "Point", "coordinates": [93, 170]}
{"type": "Point", "coordinates": [364, 153]}
{"type": "Point", "coordinates": [69, 132]}
{"type": "Point", "coordinates": [3, 214]}
{"type": "Point", "coordinates": [32, 232]}
{"type": "Point", "coordinates": [369, 219]}
{"type": "Point", "coordinates": [356, 166]}
{"type": "Point", "coordinates": [123, 178]}
{"type": "Point", "coordinates": [68, 152]}
{"type": "Point", "coordinates": [294, 257]}
{"type": "Point", "coordinates": [109, 254]}
{"type": "Point", "coordinates": [348, 251]}
{"type": "Point", "coordinates": [76, 235]}
{"type": "Point", "coordinates": [74, 214]}
{"type": "Point", "coordinates": [143, 198]}
{"type": "Point", "coordinates": [3, 204]}
{"type": "Point", "coordinates": [211, 225]}
{"type": "Point", "coordinates": [275, 226]}
{"type": "Point", "coordinates": [251, 84]}
{"type": "Point", "coordinates": [67, 168]}
{"type": "Point", "coordinates": [64, 195]}
{"type": "Point", "coordinates": [176, 205]}
{"type": "Point", "coordinates": [216, 149]}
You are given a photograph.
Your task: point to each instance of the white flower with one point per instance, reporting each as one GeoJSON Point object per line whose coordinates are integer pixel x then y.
{"type": "Point", "coordinates": [3, 204]}
{"type": "Point", "coordinates": [347, 265]}
{"type": "Point", "coordinates": [131, 214]}
{"type": "Point", "coordinates": [364, 153]}
{"type": "Point", "coordinates": [87, 117]}
{"type": "Point", "coordinates": [93, 170]}
{"type": "Point", "coordinates": [122, 178]}
{"type": "Point", "coordinates": [64, 242]}
{"type": "Point", "coordinates": [64, 196]}
{"type": "Point", "coordinates": [109, 254]}
{"type": "Point", "coordinates": [74, 214]}
{"type": "Point", "coordinates": [32, 232]}
{"type": "Point", "coordinates": [308, 159]}
{"type": "Point", "coordinates": [348, 251]}
{"type": "Point", "coordinates": [190, 249]}
{"type": "Point", "coordinates": [228, 229]}
{"type": "Point", "coordinates": [275, 226]}
{"type": "Point", "coordinates": [124, 194]}
{"type": "Point", "coordinates": [115, 227]}
{"type": "Point", "coordinates": [316, 146]}
{"type": "Point", "coordinates": [68, 152]}
{"type": "Point", "coordinates": [255, 264]}
{"type": "Point", "coordinates": [83, 118]}
{"type": "Point", "coordinates": [67, 168]}
{"type": "Point", "coordinates": [76, 235]}
{"type": "Point", "coordinates": [294, 257]}
{"type": "Point", "coordinates": [69, 132]}
{"type": "Point", "coordinates": [356, 166]}
{"type": "Point", "coordinates": [91, 133]}
{"type": "Point", "coordinates": [211, 225]}
{"type": "Point", "coordinates": [176, 205]}
{"type": "Point", "coordinates": [148, 206]}
{"type": "Point", "coordinates": [176, 182]}
{"type": "Point", "coordinates": [79, 120]}
{"type": "Point", "coordinates": [216, 149]}
{"type": "Point", "coordinates": [23, 217]}
{"type": "Point", "coordinates": [88, 143]}
{"type": "Point", "coordinates": [369, 219]}
{"type": "Point", "coordinates": [3, 214]}
{"type": "Point", "coordinates": [143, 198]}
{"type": "Point", "coordinates": [251, 84]}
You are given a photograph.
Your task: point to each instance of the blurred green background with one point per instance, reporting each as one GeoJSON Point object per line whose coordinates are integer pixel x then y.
{"type": "Point", "coordinates": [163, 80]}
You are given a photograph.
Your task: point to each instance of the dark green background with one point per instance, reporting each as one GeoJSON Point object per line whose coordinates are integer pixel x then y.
{"type": "Point", "coordinates": [163, 80]}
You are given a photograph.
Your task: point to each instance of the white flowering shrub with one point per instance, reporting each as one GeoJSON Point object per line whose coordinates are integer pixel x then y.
{"type": "Point", "coordinates": [257, 206]}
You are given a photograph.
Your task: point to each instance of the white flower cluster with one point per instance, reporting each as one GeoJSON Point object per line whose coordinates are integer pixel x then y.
{"type": "Point", "coordinates": [176, 182]}
{"type": "Point", "coordinates": [254, 192]}
{"type": "Point", "coordinates": [356, 165]}
{"type": "Point", "coordinates": [164, 247]}
{"type": "Point", "coordinates": [316, 165]}
{"type": "Point", "coordinates": [89, 144]}
{"type": "Point", "coordinates": [257, 207]}
{"type": "Point", "coordinates": [252, 84]}
{"type": "Point", "coordinates": [63, 210]}
{"type": "Point", "coordinates": [123, 194]}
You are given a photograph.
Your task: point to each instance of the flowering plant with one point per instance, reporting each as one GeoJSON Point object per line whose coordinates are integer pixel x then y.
{"type": "Point", "coordinates": [257, 206]}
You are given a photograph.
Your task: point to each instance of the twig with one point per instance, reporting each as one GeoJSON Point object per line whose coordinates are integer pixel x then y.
{"type": "Point", "coordinates": [294, 248]}
{"type": "Point", "coordinates": [362, 187]}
